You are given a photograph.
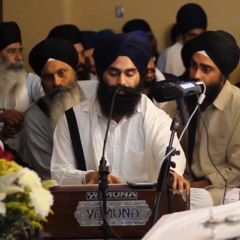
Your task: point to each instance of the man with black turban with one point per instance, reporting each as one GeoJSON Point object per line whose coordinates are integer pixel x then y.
{"type": "Point", "coordinates": [213, 139]}
{"type": "Point", "coordinates": [191, 20]}
{"type": "Point", "coordinates": [18, 89]}
{"type": "Point", "coordinates": [138, 132]}
{"type": "Point", "coordinates": [55, 61]}
{"type": "Point", "coordinates": [73, 34]}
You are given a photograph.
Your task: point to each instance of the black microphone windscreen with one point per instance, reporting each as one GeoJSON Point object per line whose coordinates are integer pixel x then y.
{"type": "Point", "coordinates": [159, 90]}
{"type": "Point", "coordinates": [168, 90]}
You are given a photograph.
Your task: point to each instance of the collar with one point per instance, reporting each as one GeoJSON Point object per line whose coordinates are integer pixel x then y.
{"type": "Point", "coordinates": [222, 97]}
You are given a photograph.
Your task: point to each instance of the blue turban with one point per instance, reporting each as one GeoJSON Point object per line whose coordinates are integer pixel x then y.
{"type": "Point", "coordinates": [136, 24]}
{"type": "Point", "coordinates": [220, 46]}
{"type": "Point", "coordinates": [132, 45]}
{"type": "Point", "coordinates": [89, 39]}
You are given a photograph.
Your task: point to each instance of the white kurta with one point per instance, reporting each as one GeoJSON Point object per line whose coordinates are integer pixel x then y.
{"type": "Point", "coordinates": [170, 60]}
{"type": "Point", "coordinates": [135, 149]}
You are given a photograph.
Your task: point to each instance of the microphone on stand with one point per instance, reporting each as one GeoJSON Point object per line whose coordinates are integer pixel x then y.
{"type": "Point", "coordinates": [168, 90]}
{"type": "Point", "coordinates": [103, 172]}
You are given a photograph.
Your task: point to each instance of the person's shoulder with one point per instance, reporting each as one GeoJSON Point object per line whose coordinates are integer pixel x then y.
{"type": "Point", "coordinates": [32, 76]}
{"type": "Point", "coordinates": [86, 104]}
{"type": "Point", "coordinates": [235, 91]}
{"type": "Point", "coordinates": [230, 97]}
{"type": "Point", "coordinates": [34, 111]}
{"type": "Point", "coordinates": [147, 106]}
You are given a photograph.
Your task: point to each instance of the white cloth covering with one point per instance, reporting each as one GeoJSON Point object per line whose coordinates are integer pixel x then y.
{"type": "Point", "coordinates": [189, 225]}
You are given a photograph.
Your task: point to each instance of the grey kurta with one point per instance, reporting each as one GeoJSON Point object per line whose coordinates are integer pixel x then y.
{"type": "Point", "coordinates": [38, 141]}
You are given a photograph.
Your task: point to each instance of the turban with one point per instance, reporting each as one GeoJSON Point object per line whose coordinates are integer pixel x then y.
{"type": "Point", "coordinates": [136, 24]}
{"type": "Point", "coordinates": [220, 46]}
{"type": "Point", "coordinates": [89, 39]}
{"type": "Point", "coordinates": [52, 48]}
{"type": "Point", "coordinates": [191, 16]}
{"type": "Point", "coordinates": [132, 45]}
{"type": "Point", "coordinates": [105, 33]}
{"type": "Point", "coordinates": [9, 33]}
{"type": "Point", "coordinates": [69, 32]}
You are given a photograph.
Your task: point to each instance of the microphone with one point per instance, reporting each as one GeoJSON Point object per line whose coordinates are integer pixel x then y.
{"type": "Point", "coordinates": [168, 90]}
{"type": "Point", "coordinates": [103, 172]}
{"type": "Point", "coordinates": [116, 90]}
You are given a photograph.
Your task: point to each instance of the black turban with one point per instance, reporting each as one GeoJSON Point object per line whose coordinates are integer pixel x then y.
{"type": "Point", "coordinates": [55, 48]}
{"type": "Point", "coordinates": [89, 39]}
{"type": "Point", "coordinates": [220, 46]}
{"type": "Point", "coordinates": [136, 24]}
{"type": "Point", "coordinates": [132, 45]}
{"type": "Point", "coordinates": [9, 33]}
{"type": "Point", "coordinates": [69, 32]}
{"type": "Point", "coordinates": [191, 16]}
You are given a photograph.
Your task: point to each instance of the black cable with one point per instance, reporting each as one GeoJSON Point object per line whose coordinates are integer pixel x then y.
{"type": "Point", "coordinates": [210, 158]}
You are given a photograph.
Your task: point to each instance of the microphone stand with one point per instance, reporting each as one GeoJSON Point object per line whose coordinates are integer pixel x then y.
{"type": "Point", "coordinates": [102, 189]}
{"type": "Point", "coordinates": [165, 178]}
{"type": "Point", "coordinates": [102, 178]}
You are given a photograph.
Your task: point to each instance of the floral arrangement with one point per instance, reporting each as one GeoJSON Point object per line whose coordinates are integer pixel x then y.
{"type": "Point", "coordinates": [24, 202]}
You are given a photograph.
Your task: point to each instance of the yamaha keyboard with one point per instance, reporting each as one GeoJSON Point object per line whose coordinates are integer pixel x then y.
{"type": "Point", "coordinates": [129, 211]}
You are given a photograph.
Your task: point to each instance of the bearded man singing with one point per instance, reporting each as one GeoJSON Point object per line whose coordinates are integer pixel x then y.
{"type": "Point", "coordinates": [138, 133]}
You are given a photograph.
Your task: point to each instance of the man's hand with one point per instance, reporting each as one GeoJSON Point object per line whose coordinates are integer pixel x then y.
{"type": "Point", "coordinates": [8, 131]}
{"type": "Point", "coordinates": [180, 185]}
{"type": "Point", "coordinates": [92, 178]}
{"type": "Point", "coordinates": [11, 117]}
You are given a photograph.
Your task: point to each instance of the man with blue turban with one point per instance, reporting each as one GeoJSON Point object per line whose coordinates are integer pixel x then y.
{"type": "Point", "coordinates": [138, 133]}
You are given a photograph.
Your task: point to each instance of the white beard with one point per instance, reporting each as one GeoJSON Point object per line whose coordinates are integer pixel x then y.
{"type": "Point", "coordinates": [62, 101]}
{"type": "Point", "coordinates": [12, 83]}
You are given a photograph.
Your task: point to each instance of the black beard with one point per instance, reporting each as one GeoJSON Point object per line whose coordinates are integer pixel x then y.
{"type": "Point", "coordinates": [124, 105]}
{"type": "Point", "coordinates": [149, 84]}
{"type": "Point", "coordinates": [83, 74]}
